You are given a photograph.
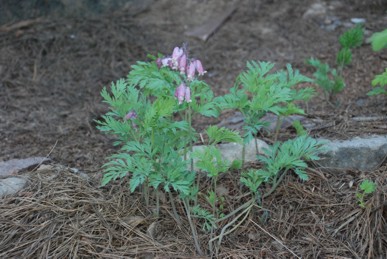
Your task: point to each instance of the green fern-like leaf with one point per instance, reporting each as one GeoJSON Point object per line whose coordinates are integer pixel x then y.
{"type": "Point", "coordinates": [119, 166]}
{"type": "Point", "coordinates": [368, 186]}
{"type": "Point", "coordinates": [154, 81]}
{"type": "Point", "coordinates": [344, 57]}
{"type": "Point", "coordinates": [210, 160]}
{"type": "Point", "coordinates": [217, 135]}
{"type": "Point", "coordinates": [209, 218]}
{"type": "Point", "coordinates": [352, 38]}
{"type": "Point", "coordinates": [291, 155]}
{"type": "Point", "coordinates": [379, 40]}
{"type": "Point", "coordinates": [380, 79]}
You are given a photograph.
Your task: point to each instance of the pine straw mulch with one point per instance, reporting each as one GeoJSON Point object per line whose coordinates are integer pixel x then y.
{"type": "Point", "coordinates": [62, 215]}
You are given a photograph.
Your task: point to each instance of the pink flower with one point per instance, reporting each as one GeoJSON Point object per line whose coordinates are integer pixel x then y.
{"type": "Point", "coordinates": [183, 93]}
{"type": "Point", "coordinates": [199, 67]}
{"type": "Point", "coordinates": [191, 71]}
{"type": "Point", "coordinates": [195, 65]}
{"type": "Point", "coordinates": [163, 62]}
{"type": "Point", "coordinates": [159, 62]}
{"type": "Point", "coordinates": [180, 92]}
{"type": "Point", "coordinates": [182, 63]}
{"type": "Point", "coordinates": [177, 53]}
{"type": "Point", "coordinates": [187, 95]}
{"type": "Point", "coordinates": [131, 115]}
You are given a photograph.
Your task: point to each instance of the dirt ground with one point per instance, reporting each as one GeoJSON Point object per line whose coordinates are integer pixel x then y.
{"type": "Point", "coordinates": [52, 70]}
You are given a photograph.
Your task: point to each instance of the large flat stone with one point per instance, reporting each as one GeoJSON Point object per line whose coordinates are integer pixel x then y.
{"type": "Point", "coordinates": [11, 185]}
{"type": "Point", "coordinates": [364, 154]}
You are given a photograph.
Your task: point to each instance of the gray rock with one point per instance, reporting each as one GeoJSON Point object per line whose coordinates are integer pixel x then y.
{"type": "Point", "coordinates": [233, 151]}
{"type": "Point", "coordinates": [11, 185]}
{"type": "Point", "coordinates": [364, 154]}
{"type": "Point", "coordinates": [315, 10]}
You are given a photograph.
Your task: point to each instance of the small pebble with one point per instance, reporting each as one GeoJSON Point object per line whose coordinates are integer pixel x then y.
{"type": "Point", "coordinates": [358, 20]}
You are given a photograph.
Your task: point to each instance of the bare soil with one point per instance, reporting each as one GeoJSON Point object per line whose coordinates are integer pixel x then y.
{"type": "Point", "coordinates": [52, 70]}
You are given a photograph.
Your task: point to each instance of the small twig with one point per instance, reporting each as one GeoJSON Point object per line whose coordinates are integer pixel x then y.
{"type": "Point", "coordinates": [276, 239]}
{"type": "Point", "coordinates": [223, 233]}
{"type": "Point", "coordinates": [243, 206]}
{"type": "Point", "coordinates": [346, 222]}
{"type": "Point", "coordinates": [367, 118]}
{"type": "Point", "coordinates": [49, 153]}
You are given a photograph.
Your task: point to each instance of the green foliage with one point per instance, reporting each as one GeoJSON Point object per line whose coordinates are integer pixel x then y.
{"type": "Point", "coordinates": [253, 179]}
{"type": "Point", "coordinates": [379, 83]}
{"type": "Point", "coordinates": [299, 128]}
{"type": "Point", "coordinates": [352, 38]}
{"type": "Point", "coordinates": [368, 187]}
{"type": "Point", "coordinates": [217, 135]}
{"type": "Point", "coordinates": [330, 79]}
{"type": "Point", "coordinates": [257, 92]}
{"type": "Point", "coordinates": [344, 57]}
{"type": "Point", "coordinates": [154, 132]}
{"type": "Point", "coordinates": [379, 40]}
{"type": "Point", "coordinates": [202, 99]}
{"type": "Point", "coordinates": [210, 160]}
{"type": "Point", "coordinates": [365, 188]}
{"type": "Point", "coordinates": [152, 80]}
{"type": "Point", "coordinates": [326, 78]}
{"type": "Point", "coordinates": [208, 218]}
{"type": "Point", "coordinates": [291, 155]}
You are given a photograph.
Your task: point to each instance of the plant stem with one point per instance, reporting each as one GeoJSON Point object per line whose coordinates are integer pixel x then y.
{"type": "Point", "coordinates": [176, 216]}
{"type": "Point", "coordinates": [157, 202]}
{"type": "Point", "coordinates": [193, 229]}
{"type": "Point", "coordinates": [276, 182]}
{"type": "Point", "coordinates": [146, 192]}
{"type": "Point", "coordinates": [256, 146]}
{"type": "Point", "coordinates": [277, 127]}
{"type": "Point", "coordinates": [190, 134]}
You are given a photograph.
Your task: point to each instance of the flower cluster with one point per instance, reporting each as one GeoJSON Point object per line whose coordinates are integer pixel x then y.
{"type": "Point", "coordinates": [188, 67]}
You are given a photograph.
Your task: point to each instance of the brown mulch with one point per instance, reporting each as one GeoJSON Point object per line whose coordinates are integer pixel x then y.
{"type": "Point", "coordinates": [62, 215]}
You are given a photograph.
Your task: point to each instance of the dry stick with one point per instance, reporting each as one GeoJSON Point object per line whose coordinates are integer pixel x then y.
{"type": "Point", "coordinates": [276, 239]}
{"type": "Point", "coordinates": [367, 118]}
{"type": "Point", "coordinates": [49, 153]}
{"type": "Point", "coordinates": [222, 233]}
{"type": "Point", "coordinates": [246, 212]}
{"type": "Point", "coordinates": [357, 212]}
{"type": "Point", "coordinates": [243, 206]}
